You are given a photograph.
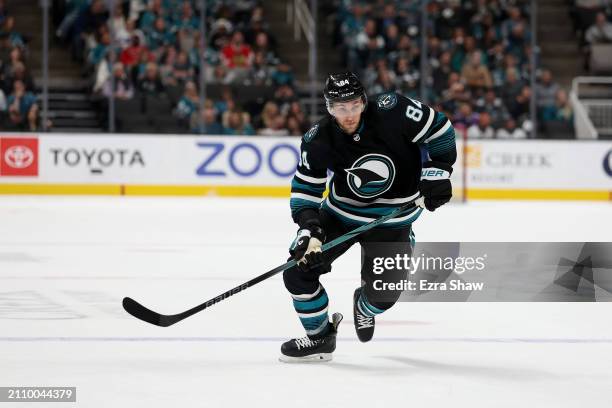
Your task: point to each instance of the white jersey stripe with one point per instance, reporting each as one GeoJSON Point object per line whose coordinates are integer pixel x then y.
{"type": "Point", "coordinates": [306, 197]}
{"type": "Point", "coordinates": [368, 219]}
{"type": "Point", "coordinates": [427, 125]}
{"type": "Point", "coordinates": [307, 296]}
{"type": "Point", "coordinates": [356, 203]}
{"type": "Point", "coordinates": [439, 132]}
{"type": "Point", "coordinates": [314, 314]}
{"type": "Point", "coordinates": [313, 180]}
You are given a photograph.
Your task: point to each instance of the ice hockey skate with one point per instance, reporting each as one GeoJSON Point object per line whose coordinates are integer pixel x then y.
{"type": "Point", "coordinates": [364, 325]}
{"type": "Point", "coordinates": [307, 350]}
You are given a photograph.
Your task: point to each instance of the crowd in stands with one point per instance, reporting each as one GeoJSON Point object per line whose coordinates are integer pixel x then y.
{"type": "Point", "coordinates": [19, 107]}
{"type": "Point", "coordinates": [157, 50]}
{"type": "Point", "coordinates": [478, 60]}
{"type": "Point", "coordinates": [593, 24]}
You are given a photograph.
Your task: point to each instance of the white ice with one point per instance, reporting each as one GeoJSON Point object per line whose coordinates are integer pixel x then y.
{"type": "Point", "coordinates": [66, 263]}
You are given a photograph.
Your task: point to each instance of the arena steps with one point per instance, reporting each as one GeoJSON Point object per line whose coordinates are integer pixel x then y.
{"type": "Point", "coordinates": [559, 49]}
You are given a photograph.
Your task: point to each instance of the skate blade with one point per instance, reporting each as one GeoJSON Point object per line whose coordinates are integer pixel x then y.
{"type": "Point", "coordinates": [315, 358]}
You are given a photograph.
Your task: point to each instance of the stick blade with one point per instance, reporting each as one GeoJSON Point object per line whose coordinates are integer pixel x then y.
{"type": "Point", "coordinates": [147, 315]}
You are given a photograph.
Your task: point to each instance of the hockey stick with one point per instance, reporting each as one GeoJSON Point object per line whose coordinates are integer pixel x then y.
{"type": "Point", "coordinates": [140, 312]}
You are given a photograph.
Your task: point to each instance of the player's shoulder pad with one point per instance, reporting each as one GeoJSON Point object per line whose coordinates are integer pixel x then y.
{"type": "Point", "coordinates": [386, 101]}
{"type": "Point", "coordinates": [315, 131]}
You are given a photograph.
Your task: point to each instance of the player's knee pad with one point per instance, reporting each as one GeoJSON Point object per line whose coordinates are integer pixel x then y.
{"type": "Point", "coordinates": [298, 282]}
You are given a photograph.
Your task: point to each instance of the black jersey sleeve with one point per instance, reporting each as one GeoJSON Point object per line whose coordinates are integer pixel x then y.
{"type": "Point", "coordinates": [310, 178]}
{"type": "Point", "coordinates": [429, 128]}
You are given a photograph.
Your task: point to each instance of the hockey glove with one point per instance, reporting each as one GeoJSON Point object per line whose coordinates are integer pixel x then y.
{"type": "Point", "coordinates": [435, 185]}
{"type": "Point", "coordinates": [306, 247]}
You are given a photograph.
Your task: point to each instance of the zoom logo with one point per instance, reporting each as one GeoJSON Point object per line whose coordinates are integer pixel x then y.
{"type": "Point", "coordinates": [247, 159]}
{"type": "Point", "coordinates": [607, 163]}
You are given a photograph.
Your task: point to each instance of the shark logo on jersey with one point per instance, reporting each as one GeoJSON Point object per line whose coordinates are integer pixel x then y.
{"type": "Point", "coordinates": [387, 101]}
{"type": "Point", "coordinates": [371, 175]}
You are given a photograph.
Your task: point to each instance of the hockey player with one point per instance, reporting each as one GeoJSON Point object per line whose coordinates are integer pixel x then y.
{"type": "Point", "coordinates": [372, 151]}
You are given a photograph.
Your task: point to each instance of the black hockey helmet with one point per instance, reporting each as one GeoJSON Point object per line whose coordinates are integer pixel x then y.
{"type": "Point", "coordinates": [343, 86]}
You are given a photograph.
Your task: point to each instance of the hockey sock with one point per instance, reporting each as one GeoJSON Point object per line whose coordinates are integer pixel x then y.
{"type": "Point", "coordinates": [312, 311]}
{"type": "Point", "coordinates": [366, 308]}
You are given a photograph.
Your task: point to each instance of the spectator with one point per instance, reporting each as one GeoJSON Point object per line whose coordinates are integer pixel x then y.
{"type": "Point", "coordinates": [187, 19]}
{"type": "Point", "coordinates": [601, 31]}
{"type": "Point", "coordinates": [159, 37]}
{"type": "Point", "coordinates": [19, 73]}
{"type": "Point", "coordinates": [154, 10]}
{"type": "Point", "coordinates": [120, 26]}
{"type": "Point", "coordinates": [182, 68]}
{"type": "Point", "coordinates": [132, 55]}
{"type": "Point", "coordinates": [483, 129]}
{"type": "Point", "coordinates": [260, 71]}
{"type": "Point", "coordinates": [262, 45]}
{"type": "Point", "coordinates": [293, 126]}
{"type": "Point", "coordinates": [15, 38]}
{"type": "Point", "coordinates": [151, 83]}
{"type": "Point", "coordinates": [465, 117]}
{"type": "Point", "coordinates": [276, 128]}
{"type": "Point", "coordinates": [74, 8]}
{"type": "Point", "coordinates": [511, 131]}
{"type": "Point", "coordinates": [520, 107]}
{"type": "Point", "coordinates": [227, 102]}
{"type": "Point", "coordinates": [123, 85]}
{"type": "Point", "coordinates": [237, 54]}
{"type": "Point", "coordinates": [220, 33]}
{"type": "Point", "coordinates": [221, 75]}
{"type": "Point", "coordinates": [513, 86]}
{"type": "Point", "coordinates": [296, 111]}
{"type": "Point", "coordinates": [189, 102]}
{"type": "Point", "coordinates": [385, 82]}
{"type": "Point", "coordinates": [284, 96]}
{"type": "Point", "coordinates": [90, 20]}
{"type": "Point", "coordinates": [546, 91]}
{"type": "Point", "coordinates": [167, 70]}
{"type": "Point", "coordinates": [561, 110]}
{"type": "Point", "coordinates": [209, 115]}
{"type": "Point", "coordinates": [99, 51]}
{"type": "Point", "coordinates": [20, 103]}
{"type": "Point", "coordinates": [475, 74]}
{"type": "Point", "coordinates": [494, 106]}
{"type": "Point", "coordinates": [268, 113]}
{"type": "Point", "coordinates": [441, 73]}
{"type": "Point", "coordinates": [237, 124]}
{"type": "Point", "coordinates": [587, 10]}
{"type": "Point", "coordinates": [282, 75]}
{"type": "Point", "coordinates": [369, 45]}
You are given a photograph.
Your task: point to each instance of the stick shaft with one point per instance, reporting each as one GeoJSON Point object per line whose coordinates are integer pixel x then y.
{"type": "Point", "coordinates": [142, 313]}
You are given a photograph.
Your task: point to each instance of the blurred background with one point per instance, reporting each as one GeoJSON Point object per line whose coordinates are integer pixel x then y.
{"type": "Point", "coordinates": [500, 69]}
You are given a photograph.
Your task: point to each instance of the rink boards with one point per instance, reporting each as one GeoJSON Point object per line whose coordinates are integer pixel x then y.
{"type": "Point", "coordinates": [115, 164]}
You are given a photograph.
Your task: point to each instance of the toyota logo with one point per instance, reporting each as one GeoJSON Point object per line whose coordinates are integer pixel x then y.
{"type": "Point", "coordinates": [19, 157]}
{"type": "Point", "coordinates": [607, 163]}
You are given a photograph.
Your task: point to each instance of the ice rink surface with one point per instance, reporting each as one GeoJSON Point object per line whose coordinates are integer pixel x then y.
{"type": "Point", "coordinates": [66, 263]}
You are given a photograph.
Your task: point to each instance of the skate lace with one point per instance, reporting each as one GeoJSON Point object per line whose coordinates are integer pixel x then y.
{"type": "Point", "coordinates": [364, 322]}
{"type": "Point", "coordinates": [304, 342]}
